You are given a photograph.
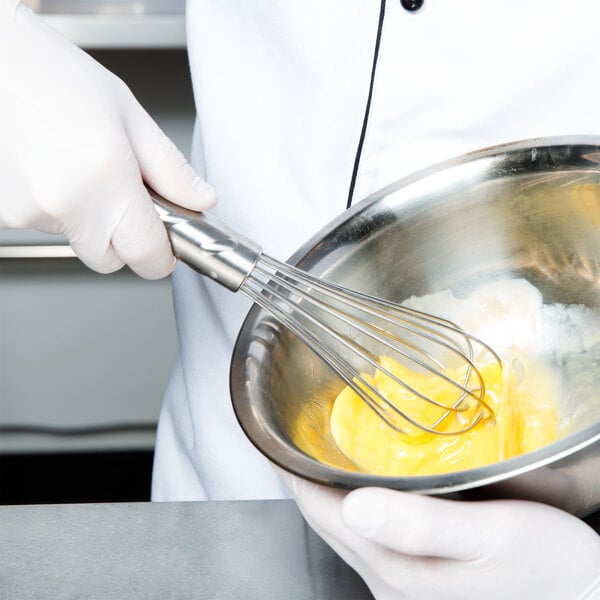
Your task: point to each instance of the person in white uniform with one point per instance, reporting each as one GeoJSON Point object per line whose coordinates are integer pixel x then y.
{"type": "Point", "coordinates": [303, 109]}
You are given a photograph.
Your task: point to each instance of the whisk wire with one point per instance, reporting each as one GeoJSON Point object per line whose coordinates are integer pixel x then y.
{"type": "Point", "coordinates": [384, 337]}
{"type": "Point", "coordinates": [279, 291]}
{"type": "Point", "coordinates": [365, 390]}
{"type": "Point", "coordinates": [341, 293]}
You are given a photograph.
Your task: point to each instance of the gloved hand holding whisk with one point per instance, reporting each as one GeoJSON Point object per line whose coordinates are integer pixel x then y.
{"type": "Point", "coordinates": [74, 148]}
{"type": "Point", "coordinates": [413, 547]}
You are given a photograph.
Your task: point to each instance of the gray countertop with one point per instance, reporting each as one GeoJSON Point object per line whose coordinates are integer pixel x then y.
{"type": "Point", "coordinates": [214, 550]}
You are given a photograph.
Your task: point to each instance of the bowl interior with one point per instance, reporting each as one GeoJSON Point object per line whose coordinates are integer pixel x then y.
{"type": "Point", "coordinates": [530, 210]}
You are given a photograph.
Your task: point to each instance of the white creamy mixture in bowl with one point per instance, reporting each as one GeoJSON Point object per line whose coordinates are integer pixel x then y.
{"type": "Point", "coordinates": [563, 339]}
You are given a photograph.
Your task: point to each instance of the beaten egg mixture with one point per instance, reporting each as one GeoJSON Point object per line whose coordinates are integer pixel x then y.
{"type": "Point", "coordinates": [525, 419]}
{"type": "Point", "coordinates": [523, 395]}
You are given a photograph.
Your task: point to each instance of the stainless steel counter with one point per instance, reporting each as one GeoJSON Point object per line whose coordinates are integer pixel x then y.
{"type": "Point", "coordinates": [214, 550]}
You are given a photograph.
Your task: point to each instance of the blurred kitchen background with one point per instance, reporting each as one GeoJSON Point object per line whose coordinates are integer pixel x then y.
{"type": "Point", "coordinates": [85, 358]}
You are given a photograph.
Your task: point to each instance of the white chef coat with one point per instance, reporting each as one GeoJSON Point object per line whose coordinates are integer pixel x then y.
{"type": "Point", "coordinates": [305, 105]}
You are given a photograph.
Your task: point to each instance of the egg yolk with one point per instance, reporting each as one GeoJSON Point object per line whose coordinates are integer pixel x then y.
{"type": "Point", "coordinates": [521, 396]}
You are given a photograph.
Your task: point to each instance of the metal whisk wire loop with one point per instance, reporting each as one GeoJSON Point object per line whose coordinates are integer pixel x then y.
{"type": "Point", "coordinates": [328, 318]}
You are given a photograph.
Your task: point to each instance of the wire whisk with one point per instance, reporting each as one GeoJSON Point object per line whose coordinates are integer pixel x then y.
{"type": "Point", "coordinates": [356, 334]}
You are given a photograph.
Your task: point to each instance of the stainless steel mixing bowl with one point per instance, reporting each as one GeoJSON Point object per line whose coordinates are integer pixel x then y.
{"type": "Point", "coordinates": [531, 210]}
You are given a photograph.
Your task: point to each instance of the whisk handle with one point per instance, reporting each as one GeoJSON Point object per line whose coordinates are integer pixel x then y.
{"type": "Point", "coordinates": [207, 245]}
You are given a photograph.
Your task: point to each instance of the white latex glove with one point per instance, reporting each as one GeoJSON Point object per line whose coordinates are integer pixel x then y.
{"type": "Point", "coordinates": [74, 148]}
{"type": "Point", "coordinates": [424, 548]}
